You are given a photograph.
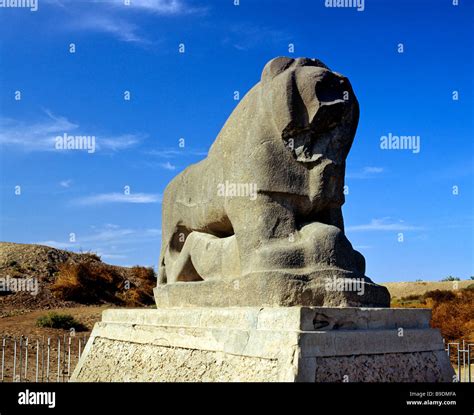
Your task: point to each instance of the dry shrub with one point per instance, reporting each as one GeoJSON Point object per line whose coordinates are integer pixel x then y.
{"type": "Point", "coordinates": [412, 297]}
{"type": "Point", "coordinates": [440, 296]}
{"type": "Point", "coordinates": [141, 293]}
{"type": "Point", "coordinates": [93, 282]}
{"type": "Point", "coordinates": [86, 283]}
{"type": "Point", "coordinates": [59, 321]}
{"type": "Point", "coordinates": [91, 256]}
{"type": "Point", "coordinates": [410, 301]}
{"type": "Point", "coordinates": [136, 297]}
{"type": "Point", "coordinates": [144, 273]}
{"type": "Point", "coordinates": [454, 314]}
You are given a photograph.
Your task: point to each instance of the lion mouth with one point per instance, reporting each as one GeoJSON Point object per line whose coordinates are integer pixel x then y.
{"type": "Point", "coordinates": [309, 146]}
{"type": "Point", "coordinates": [311, 143]}
{"type": "Point", "coordinates": [323, 217]}
{"type": "Point", "coordinates": [303, 147]}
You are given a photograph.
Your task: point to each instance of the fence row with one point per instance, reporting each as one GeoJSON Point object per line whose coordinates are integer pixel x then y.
{"type": "Point", "coordinates": [53, 359]}
{"type": "Point", "coordinates": [460, 357]}
{"type": "Point", "coordinates": [49, 359]}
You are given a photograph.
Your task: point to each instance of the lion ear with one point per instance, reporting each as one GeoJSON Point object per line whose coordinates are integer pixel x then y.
{"type": "Point", "coordinates": [275, 67]}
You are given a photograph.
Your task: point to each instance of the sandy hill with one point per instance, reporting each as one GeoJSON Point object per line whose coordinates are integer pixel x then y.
{"type": "Point", "coordinates": [67, 279]}
{"type": "Point", "coordinates": [405, 289]}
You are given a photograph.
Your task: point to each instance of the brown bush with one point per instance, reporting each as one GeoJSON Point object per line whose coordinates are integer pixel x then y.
{"type": "Point", "coordinates": [86, 283]}
{"type": "Point", "coordinates": [454, 315]}
{"type": "Point", "coordinates": [140, 292]}
{"type": "Point", "coordinates": [412, 297]}
{"type": "Point", "coordinates": [144, 273]}
{"type": "Point", "coordinates": [91, 256]}
{"type": "Point", "coordinates": [440, 296]}
{"type": "Point", "coordinates": [410, 301]}
{"type": "Point", "coordinates": [134, 297]}
{"type": "Point", "coordinates": [92, 282]}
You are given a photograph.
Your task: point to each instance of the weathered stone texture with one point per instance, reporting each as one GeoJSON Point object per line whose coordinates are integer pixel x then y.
{"type": "Point", "coordinates": [389, 367]}
{"type": "Point", "coordinates": [150, 363]}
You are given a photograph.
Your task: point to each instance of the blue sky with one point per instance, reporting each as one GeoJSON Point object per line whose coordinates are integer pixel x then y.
{"type": "Point", "coordinates": [189, 95]}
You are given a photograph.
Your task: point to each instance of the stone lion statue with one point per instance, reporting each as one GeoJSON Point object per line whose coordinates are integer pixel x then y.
{"type": "Point", "coordinates": [259, 221]}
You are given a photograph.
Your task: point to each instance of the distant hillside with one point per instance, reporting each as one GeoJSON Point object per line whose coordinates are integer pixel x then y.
{"type": "Point", "coordinates": [67, 279]}
{"type": "Point", "coordinates": [405, 289]}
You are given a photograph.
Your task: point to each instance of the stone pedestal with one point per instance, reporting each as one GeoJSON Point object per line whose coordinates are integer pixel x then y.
{"type": "Point", "coordinates": [275, 289]}
{"type": "Point", "coordinates": [289, 344]}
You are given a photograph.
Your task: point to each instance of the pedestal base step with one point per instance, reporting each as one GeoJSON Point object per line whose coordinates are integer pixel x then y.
{"type": "Point", "coordinates": [309, 344]}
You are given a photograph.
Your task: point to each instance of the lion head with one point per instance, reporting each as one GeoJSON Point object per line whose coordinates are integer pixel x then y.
{"type": "Point", "coordinates": [313, 108]}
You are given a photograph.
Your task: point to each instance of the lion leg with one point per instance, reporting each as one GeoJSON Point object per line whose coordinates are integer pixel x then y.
{"type": "Point", "coordinates": [180, 267]}
{"type": "Point", "coordinates": [204, 257]}
{"type": "Point", "coordinates": [256, 224]}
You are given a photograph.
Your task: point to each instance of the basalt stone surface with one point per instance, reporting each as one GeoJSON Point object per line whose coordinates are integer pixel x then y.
{"type": "Point", "coordinates": [263, 210]}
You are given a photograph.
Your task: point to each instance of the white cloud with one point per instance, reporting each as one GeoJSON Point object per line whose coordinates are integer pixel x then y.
{"type": "Point", "coordinates": [164, 7]}
{"type": "Point", "coordinates": [109, 234]}
{"type": "Point", "coordinates": [104, 198]}
{"type": "Point", "coordinates": [106, 235]}
{"type": "Point", "coordinates": [120, 142]}
{"type": "Point", "coordinates": [153, 231]}
{"type": "Point", "coordinates": [168, 166]}
{"type": "Point", "coordinates": [119, 28]}
{"type": "Point", "coordinates": [365, 173]}
{"type": "Point", "coordinates": [110, 242]}
{"type": "Point", "coordinates": [173, 153]}
{"type": "Point", "coordinates": [113, 17]}
{"type": "Point", "coordinates": [36, 136]}
{"type": "Point", "coordinates": [383, 224]}
{"type": "Point", "coordinates": [373, 170]}
{"type": "Point", "coordinates": [109, 226]}
{"type": "Point", "coordinates": [41, 135]}
{"type": "Point", "coordinates": [65, 183]}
